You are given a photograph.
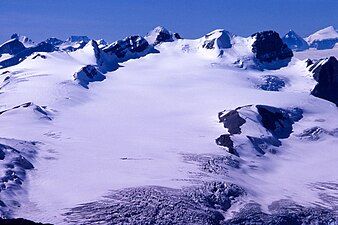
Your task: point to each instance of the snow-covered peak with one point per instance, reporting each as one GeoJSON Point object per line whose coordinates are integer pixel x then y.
{"type": "Point", "coordinates": [217, 39]}
{"type": "Point", "coordinates": [323, 39]}
{"type": "Point", "coordinates": [74, 43]}
{"type": "Point", "coordinates": [90, 54]}
{"type": "Point", "coordinates": [129, 48]}
{"type": "Point", "coordinates": [23, 39]}
{"type": "Point", "coordinates": [101, 43]}
{"type": "Point", "coordinates": [326, 33]}
{"type": "Point", "coordinates": [160, 34]}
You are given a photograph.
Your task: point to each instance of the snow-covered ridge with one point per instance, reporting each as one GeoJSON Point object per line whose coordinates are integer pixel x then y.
{"type": "Point", "coordinates": [326, 33]}
{"type": "Point", "coordinates": [323, 39]}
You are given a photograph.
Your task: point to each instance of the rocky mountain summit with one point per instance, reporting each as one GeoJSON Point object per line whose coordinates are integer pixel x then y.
{"type": "Point", "coordinates": [294, 41]}
{"type": "Point", "coordinates": [269, 49]}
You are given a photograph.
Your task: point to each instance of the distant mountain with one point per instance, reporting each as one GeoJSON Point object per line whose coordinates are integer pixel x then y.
{"type": "Point", "coordinates": [131, 47]}
{"type": "Point", "coordinates": [160, 34]}
{"type": "Point", "coordinates": [11, 47]}
{"type": "Point", "coordinates": [323, 39]}
{"type": "Point", "coordinates": [71, 44]}
{"type": "Point", "coordinates": [23, 39]}
{"type": "Point", "coordinates": [294, 41]}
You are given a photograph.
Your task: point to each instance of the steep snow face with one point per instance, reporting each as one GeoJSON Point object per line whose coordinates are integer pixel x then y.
{"type": "Point", "coordinates": [218, 39]}
{"type": "Point", "coordinates": [294, 41]}
{"type": "Point", "coordinates": [326, 33]}
{"type": "Point", "coordinates": [91, 54]}
{"type": "Point", "coordinates": [160, 34]}
{"type": "Point", "coordinates": [323, 39]}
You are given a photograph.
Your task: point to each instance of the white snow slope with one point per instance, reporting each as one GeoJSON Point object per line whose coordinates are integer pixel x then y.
{"type": "Point", "coordinates": [132, 128]}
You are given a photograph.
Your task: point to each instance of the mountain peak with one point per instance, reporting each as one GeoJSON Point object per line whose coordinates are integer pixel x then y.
{"type": "Point", "coordinates": [217, 39]}
{"type": "Point", "coordinates": [323, 39]}
{"type": "Point", "coordinates": [326, 33]}
{"type": "Point", "coordinates": [160, 34]}
{"type": "Point", "coordinates": [294, 41]}
{"type": "Point", "coordinates": [75, 38]}
{"type": "Point", "coordinates": [23, 39]}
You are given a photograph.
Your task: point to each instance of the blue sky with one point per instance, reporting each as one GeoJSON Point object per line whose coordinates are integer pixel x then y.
{"type": "Point", "coordinates": [115, 19]}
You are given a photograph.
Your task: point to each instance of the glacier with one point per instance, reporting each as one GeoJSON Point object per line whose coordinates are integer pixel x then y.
{"type": "Point", "coordinates": [162, 129]}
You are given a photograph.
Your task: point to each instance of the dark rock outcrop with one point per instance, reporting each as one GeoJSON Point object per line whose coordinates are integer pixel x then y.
{"type": "Point", "coordinates": [276, 121]}
{"type": "Point", "coordinates": [279, 121]}
{"type": "Point", "coordinates": [308, 62]}
{"type": "Point", "coordinates": [263, 145]}
{"type": "Point", "coordinates": [270, 51]}
{"type": "Point", "coordinates": [232, 121]}
{"type": "Point", "coordinates": [88, 74]}
{"type": "Point", "coordinates": [225, 141]}
{"type": "Point", "coordinates": [325, 72]}
{"type": "Point", "coordinates": [128, 48]}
